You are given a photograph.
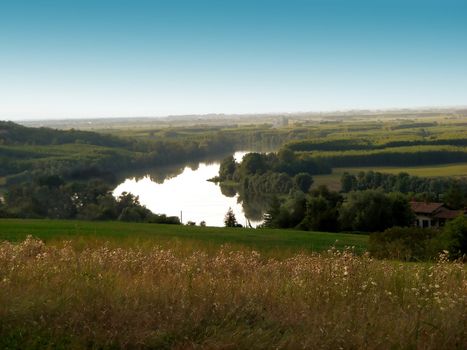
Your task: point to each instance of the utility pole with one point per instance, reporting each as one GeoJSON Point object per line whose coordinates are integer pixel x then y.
{"type": "Point", "coordinates": [181, 217]}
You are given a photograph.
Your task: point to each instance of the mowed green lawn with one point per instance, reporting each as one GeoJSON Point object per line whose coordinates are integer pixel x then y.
{"type": "Point", "coordinates": [266, 240]}
{"type": "Point", "coordinates": [333, 180]}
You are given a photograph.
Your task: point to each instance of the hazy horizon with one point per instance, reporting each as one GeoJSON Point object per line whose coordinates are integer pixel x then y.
{"type": "Point", "coordinates": [106, 59]}
{"type": "Point", "coordinates": [246, 114]}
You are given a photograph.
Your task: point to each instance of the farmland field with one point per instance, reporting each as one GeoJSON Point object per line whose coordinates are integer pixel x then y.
{"type": "Point", "coordinates": [333, 180]}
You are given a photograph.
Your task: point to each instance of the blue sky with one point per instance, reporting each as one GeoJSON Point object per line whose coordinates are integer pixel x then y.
{"type": "Point", "coordinates": [119, 58]}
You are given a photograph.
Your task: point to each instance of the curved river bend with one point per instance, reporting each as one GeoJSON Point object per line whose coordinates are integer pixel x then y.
{"type": "Point", "coordinates": [188, 193]}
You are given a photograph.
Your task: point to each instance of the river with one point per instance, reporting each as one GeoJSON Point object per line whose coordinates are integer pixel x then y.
{"type": "Point", "coordinates": [186, 193]}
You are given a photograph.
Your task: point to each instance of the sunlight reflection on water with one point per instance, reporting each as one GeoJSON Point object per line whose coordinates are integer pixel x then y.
{"type": "Point", "coordinates": [188, 192]}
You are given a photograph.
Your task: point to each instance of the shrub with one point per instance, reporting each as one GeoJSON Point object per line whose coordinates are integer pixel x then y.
{"type": "Point", "coordinates": [405, 243]}
{"type": "Point", "coordinates": [455, 234]}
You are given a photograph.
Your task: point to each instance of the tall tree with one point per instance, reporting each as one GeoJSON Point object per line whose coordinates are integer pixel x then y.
{"type": "Point", "coordinates": [229, 219]}
{"type": "Point", "coordinates": [303, 181]}
{"type": "Point", "coordinates": [227, 168]}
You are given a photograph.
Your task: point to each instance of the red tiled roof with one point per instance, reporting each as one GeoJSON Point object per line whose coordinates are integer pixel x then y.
{"type": "Point", "coordinates": [444, 213]}
{"type": "Point", "coordinates": [425, 207]}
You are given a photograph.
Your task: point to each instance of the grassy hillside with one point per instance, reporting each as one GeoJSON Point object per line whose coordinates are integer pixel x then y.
{"type": "Point", "coordinates": [202, 237]}
{"type": "Point", "coordinates": [58, 296]}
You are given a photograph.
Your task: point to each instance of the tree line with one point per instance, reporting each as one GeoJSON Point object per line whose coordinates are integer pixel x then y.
{"type": "Point", "coordinates": [323, 210]}
{"type": "Point", "coordinates": [396, 156]}
{"type": "Point", "coordinates": [366, 143]}
{"type": "Point", "coordinates": [451, 191]}
{"type": "Point", "coordinates": [53, 198]}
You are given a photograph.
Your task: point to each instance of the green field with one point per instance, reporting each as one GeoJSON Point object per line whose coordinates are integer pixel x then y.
{"type": "Point", "coordinates": [265, 240]}
{"type": "Point", "coordinates": [333, 180]}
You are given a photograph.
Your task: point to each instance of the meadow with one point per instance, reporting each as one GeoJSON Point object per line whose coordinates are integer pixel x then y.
{"type": "Point", "coordinates": [57, 296]}
{"type": "Point", "coordinates": [94, 233]}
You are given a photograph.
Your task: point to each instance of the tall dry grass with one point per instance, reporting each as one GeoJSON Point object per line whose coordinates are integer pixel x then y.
{"type": "Point", "coordinates": [105, 297]}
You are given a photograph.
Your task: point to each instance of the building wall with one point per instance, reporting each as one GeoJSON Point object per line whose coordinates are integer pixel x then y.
{"type": "Point", "coordinates": [425, 221]}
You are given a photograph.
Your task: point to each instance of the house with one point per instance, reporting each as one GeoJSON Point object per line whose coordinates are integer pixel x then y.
{"type": "Point", "coordinates": [431, 214]}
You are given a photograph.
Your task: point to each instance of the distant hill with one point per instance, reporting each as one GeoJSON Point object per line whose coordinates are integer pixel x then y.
{"type": "Point", "coordinates": [15, 134]}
